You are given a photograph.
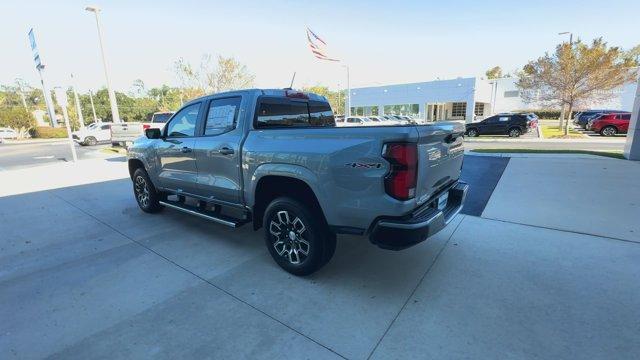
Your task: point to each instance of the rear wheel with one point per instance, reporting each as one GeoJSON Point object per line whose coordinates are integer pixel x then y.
{"type": "Point", "coordinates": [296, 236]}
{"type": "Point", "coordinates": [472, 132]}
{"type": "Point", "coordinates": [514, 132]}
{"type": "Point", "coordinates": [90, 141]}
{"type": "Point", "coordinates": [146, 195]}
{"type": "Point", "coordinates": [608, 131]}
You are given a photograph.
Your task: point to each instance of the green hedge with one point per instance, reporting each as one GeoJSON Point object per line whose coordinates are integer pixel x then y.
{"type": "Point", "coordinates": [46, 132]}
{"type": "Point", "coordinates": [547, 114]}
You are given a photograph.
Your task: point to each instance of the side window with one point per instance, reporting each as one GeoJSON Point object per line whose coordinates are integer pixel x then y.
{"type": "Point", "coordinates": [504, 118]}
{"type": "Point", "coordinates": [183, 124]}
{"type": "Point", "coordinates": [222, 116]}
{"type": "Point", "coordinates": [105, 127]}
{"type": "Point", "coordinates": [491, 120]}
{"type": "Point", "coordinates": [321, 114]}
{"type": "Point", "coordinates": [626, 117]}
{"type": "Point", "coordinates": [282, 113]}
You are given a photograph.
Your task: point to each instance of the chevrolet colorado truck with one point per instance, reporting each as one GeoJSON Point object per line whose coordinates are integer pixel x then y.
{"type": "Point", "coordinates": [276, 159]}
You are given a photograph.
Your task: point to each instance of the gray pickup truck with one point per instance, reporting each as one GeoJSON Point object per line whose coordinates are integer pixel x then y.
{"type": "Point", "coordinates": [275, 158]}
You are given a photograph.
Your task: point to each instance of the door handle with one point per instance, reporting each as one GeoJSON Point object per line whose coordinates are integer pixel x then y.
{"type": "Point", "coordinates": [186, 149]}
{"type": "Point", "coordinates": [226, 151]}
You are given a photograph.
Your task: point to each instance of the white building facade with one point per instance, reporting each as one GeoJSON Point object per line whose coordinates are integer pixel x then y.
{"type": "Point", "coordinates": [460, 99]}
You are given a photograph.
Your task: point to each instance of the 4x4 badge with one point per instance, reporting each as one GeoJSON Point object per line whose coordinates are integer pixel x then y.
{"type": "Point", "coordinates": [358, 165]}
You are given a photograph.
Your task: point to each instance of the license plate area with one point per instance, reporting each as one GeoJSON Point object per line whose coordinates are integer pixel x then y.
{"type": "Point", "coordinates": [441, 203]}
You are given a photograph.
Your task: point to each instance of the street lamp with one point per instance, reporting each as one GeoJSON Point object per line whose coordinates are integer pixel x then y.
{"type": "Point", "coordinates": [112, 95]}
{"type": "Point", "coordinates": [570, 36]}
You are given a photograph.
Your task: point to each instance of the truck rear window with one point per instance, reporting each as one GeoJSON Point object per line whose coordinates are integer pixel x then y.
{"type": "Point", "coordinates": [282, 112]}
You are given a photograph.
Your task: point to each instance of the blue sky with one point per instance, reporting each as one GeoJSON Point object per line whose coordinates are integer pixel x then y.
{"type": "Point", "coordinates": [383, 42]}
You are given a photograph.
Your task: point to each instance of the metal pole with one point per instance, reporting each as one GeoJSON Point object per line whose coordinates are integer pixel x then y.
{"type": "Point", "coordinates": [112, 96]}
{"type": "Point", "coordinates": [93, 108]}
{"type": "Point", "coordinates": [348, 93]}
{"type": "Point", "coordinates": [61, 95]}
{"type": "Point", "coordinates": [77, 100]}
{"type": "Point", "coordinates": [47, 99]}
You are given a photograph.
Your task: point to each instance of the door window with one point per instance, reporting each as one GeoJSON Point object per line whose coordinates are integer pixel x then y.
{"type": "Point", "coordinates": [503, 118]}
{"type": "Point", "coordinates": [222, 116]}
{"type": "Point", "coordinates": [105, 127]}
{"type": "Point", "coordinates": [183, 124]}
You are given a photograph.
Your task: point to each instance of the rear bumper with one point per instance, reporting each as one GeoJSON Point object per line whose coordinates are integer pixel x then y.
{"type": "Point", "coordinates": [424, 222]}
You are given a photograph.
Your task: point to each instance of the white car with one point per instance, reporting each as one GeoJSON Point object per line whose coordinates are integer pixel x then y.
{"type": "Point", "coordinates": [7, 133]}
{"type": "Point", "coordinates": [93, 134]}
{"type": "Point", "coordinates": [358, 121]}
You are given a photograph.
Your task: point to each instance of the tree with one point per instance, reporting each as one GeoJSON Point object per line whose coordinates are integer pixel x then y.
{"type": "Point", "coordinates": [494, 73]}
{"type": "Point", "coordinates": [17, 118]}
{"type": "Point", "coordinates": [336, 98]}
{"type": "Point", "coordinates": [227, 74]}
{"type": "Point", "coordinates": [633, 54]}
{"type": "Point", "coordinates": [575, 74]}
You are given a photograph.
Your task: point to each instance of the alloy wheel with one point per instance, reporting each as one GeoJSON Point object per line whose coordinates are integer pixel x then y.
{"type": "Point", "coordinates": [142, 191]}
{"type": "Point", "coordinates": [289, 237]}
{"type": "Point", "coordinates": [609, 131]}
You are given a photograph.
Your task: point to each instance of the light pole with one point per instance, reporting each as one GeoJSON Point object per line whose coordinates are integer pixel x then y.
{"type": "Point", "coordinates": [348, 112]}
{"type": "Point", "coordinates": [77, 101]}
{"type": "Point", "coordinates": [93, 108]}
{"type": "Point", "coordinates": [562, 114]}
{"type": "Point", "coordinates": [112, 95]}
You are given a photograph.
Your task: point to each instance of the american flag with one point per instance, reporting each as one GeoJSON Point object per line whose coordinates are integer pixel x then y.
{"type": "Point", "coordinates": [318, 46]}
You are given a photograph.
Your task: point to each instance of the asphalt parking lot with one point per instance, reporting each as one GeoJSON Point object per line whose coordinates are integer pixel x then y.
{"type": "Point", "coordinates": [85, 274]}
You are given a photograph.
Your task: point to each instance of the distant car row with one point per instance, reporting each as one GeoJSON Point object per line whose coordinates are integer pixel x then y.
{"type": "Point", "coordinates": [374, 120]}
{"type": "Point", "coordinates": [118, 133]}
{"type": "Point", "coordinates": [604, 122]}
{"type": "Point", "coordinates": [512, 124]}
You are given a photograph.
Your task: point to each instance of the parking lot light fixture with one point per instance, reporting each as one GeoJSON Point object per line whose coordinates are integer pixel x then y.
{"type": "Point", "coordinates": [112, 96]}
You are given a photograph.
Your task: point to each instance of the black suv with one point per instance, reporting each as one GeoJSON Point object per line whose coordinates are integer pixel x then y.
{"type": "Point", "coordinates": [513, 125]}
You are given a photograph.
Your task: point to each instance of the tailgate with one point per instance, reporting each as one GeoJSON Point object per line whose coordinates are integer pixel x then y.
{"type": "Point", "coordinates": [440, 153]}
{"type": "Point", "coordinates": [126, 131]}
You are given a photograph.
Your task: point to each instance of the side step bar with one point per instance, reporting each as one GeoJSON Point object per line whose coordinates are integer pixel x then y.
{"type": "Point", "coordinates": [203, 214]}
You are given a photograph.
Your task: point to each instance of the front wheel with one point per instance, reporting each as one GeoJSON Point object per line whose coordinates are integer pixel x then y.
{"type": "Point", "coordinates": [146, 195]}
{"type": "Point", "coordinates": [297, 238]}
{"type": "Point", "coordinates": [472, 133]}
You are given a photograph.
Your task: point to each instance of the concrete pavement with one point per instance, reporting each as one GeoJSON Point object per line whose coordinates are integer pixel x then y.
{"type": "Point", "coordinates": [29, 153]}
{"type": "Point", "coordinates": [91, 276]}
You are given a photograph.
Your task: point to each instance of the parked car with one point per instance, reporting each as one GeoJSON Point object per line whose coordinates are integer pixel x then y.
{"type": "Point", "coordinates": [8, 133]}
{"type": "Point", "coordinates": [127, 132]}
{"type": "Point", "coordinates": [582, 118]}
{"type": "Point", "coordinates": [358, 121]}
{"type": "Point", "coordinates": [610, 124]}
{"type": "Point", "coordinates": [274, 158]}
{"type": "Point", "coordinates": [510, 124]}
{"type": "Point", "coordinates": [92, 134]}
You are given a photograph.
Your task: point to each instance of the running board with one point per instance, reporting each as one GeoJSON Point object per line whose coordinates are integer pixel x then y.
{"type": "Point", "coordinates": [191, 210]}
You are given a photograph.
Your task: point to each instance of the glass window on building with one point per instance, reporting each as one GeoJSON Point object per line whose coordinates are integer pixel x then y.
{"type": "Point", "coordinates": [412, 110]}
{"type": "Point", "coordinates": [458, 109]}
{"type": "Point", "coordinates": [479, 110]}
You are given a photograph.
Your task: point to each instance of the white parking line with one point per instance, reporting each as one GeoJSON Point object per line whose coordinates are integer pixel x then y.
{"type": "Point", "coordinates": [43, 157]}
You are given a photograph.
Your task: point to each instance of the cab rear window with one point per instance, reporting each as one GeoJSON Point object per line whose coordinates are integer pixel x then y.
{"type": "Point", "coordinates": [284, 113]}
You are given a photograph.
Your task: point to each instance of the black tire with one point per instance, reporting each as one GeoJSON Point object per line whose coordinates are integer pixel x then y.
{"type": "Point", "coordinates": [473, 132]}
{"type": "Point", "coordinates": [514, 132]}
{"type": "Point", "coordinates": [90, 141]}
{"type": "Point", "coordinates": [145, 193]}
{"type": "Point", "coordinates": [608, 131]}
{"type": "Point", "coordinates": [288, 225]}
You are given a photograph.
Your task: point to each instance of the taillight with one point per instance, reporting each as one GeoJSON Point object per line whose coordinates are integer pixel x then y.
{"type": "Point", "coordinates": [145, 126]}
{"type": "Point", "coordinates": [400, 183]}
{"type": "Point", "coordinates": [296, 94]}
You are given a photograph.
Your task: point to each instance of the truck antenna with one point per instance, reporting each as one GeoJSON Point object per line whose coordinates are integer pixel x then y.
{"type": "Point", "coordinates": [293, 78]}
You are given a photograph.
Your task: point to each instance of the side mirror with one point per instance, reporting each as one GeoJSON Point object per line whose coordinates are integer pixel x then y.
{"type": "Point", "coordinates": [152, 133]}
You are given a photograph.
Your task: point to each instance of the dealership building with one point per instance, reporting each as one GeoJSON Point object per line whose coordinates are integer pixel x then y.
{"type": "Point", "coordinates": [460, 99]}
